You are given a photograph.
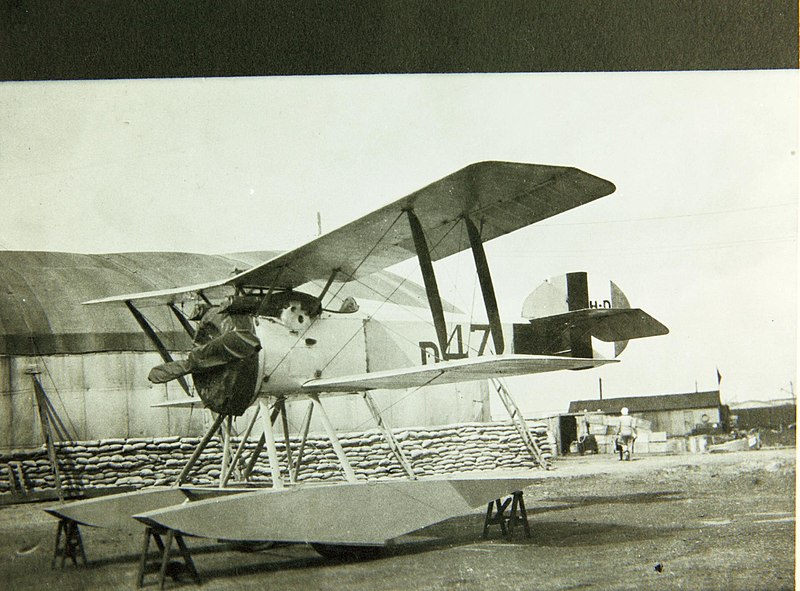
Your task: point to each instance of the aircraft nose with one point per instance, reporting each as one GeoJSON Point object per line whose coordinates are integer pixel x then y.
{"type": "Point", "coordinates": [223, 364]}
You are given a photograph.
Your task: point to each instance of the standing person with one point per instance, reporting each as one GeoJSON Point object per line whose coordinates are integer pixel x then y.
{"type": "Point", "coordinates": [587, 443]}
{"type": "Point", "coordinates": [626, 434]}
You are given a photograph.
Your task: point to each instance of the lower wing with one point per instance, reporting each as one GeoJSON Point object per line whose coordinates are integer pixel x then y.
{"type": "Point", "coordinates": [448, 372]}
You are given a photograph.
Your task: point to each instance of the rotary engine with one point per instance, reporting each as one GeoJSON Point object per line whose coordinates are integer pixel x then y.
{"type": "Point", "coordinates": [224, 358]}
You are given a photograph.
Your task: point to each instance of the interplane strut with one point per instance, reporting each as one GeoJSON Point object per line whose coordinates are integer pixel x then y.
{"type": "Point", "coordinates": [159, 345]}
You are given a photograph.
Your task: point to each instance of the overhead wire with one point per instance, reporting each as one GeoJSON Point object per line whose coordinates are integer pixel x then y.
{"type": "Point", "coordinates": [669, 217]}
{"type": "Point", "coordinates": [363, 260]}
{"type": "Point", "coordinates": [402, 398]}
{"type": "Point", "coordinates": [416, 389]}
{"type": "Point", "coordinates": [372, 315]}
{"type": "Point", "coordinates": [655, 250]}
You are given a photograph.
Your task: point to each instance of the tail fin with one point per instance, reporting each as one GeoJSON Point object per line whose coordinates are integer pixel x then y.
{"type": "Point", "coordinates": [563, 319]}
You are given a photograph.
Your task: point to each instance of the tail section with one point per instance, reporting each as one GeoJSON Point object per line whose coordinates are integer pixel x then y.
{"type": "Point", "coordinates": [564, 318]}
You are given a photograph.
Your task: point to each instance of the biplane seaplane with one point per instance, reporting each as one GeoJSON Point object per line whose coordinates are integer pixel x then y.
{"type": "Point", "coordinates": [278, 332]}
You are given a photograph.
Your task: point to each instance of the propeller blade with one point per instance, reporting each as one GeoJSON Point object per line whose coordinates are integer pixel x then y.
{"type": "Point", "coordinates": [231, 346]}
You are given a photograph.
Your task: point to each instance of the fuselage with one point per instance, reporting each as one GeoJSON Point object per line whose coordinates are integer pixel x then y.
{"type": "Point", "coordinates": [335, 345]}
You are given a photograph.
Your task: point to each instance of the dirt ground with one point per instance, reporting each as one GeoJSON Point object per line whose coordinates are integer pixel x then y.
{"type": "Point", "coordinates": [703, 521]}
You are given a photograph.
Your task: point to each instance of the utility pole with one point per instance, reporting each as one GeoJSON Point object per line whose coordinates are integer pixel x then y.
{"type": "Point", "coordinates": [600, 381]}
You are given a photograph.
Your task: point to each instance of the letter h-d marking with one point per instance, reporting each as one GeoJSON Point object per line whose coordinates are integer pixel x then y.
{"type": "Point", "coordinates": [432, 289]}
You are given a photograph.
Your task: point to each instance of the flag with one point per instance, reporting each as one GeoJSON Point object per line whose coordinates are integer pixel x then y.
{"type": "Point", "coordinates": [719, 377]}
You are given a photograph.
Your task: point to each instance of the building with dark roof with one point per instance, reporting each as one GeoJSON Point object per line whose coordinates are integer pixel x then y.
{"type": "Point", "coordinates": [676, 414]}
{"type": "Point", "coordinates": [764, 414]}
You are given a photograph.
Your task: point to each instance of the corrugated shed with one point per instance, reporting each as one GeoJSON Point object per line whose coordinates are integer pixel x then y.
{"type": "Point", "coordinates": [638, 404]}
{"type": "Point", "coordinates": [41, 294]}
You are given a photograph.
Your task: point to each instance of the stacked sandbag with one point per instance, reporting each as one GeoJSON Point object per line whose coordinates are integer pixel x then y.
{"type": "Point", "coordinates": [140, 462]}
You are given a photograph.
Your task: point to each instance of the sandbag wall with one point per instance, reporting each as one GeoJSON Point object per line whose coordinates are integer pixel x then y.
{"type": "Point", "coordinates": [135, 463]}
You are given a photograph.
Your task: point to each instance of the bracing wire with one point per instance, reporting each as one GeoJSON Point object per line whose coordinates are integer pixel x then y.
{"type": "Point", "coordinates": [386, 300]}
{"type": "Point", "coordinates": [361, 262]}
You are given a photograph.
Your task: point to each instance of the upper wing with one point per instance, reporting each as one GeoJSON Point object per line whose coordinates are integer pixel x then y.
{"type": "Point", "coordinates": [448, 372]}
{"type": "Point", "coordinates": [499, 197]}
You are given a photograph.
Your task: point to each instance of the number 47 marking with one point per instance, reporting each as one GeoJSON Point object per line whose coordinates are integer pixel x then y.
{"type": "Point", "coordinates": [429, 347]}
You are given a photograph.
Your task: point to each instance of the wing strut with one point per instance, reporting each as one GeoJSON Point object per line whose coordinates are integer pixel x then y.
{"type": "Point", "coordinates": [268, 297]}
{"type": "Point", "coordinates": [204, 297]}
{"type": "Point", "coordinates": [187, 326]}
{"type": "Point", "coordinates": [304, 429]}
{"type": "Point", "coordinates": [349, 475]}
{"type": "Point", "coordinates": [487, 288]}
{"type": "Point", "coordinates": [251, 463]}
{"type": "Point", "coordinates": [429, 278]}
{"type": "Point", "coordinates": [269, 438]}
{"type": "Point", "coordinates": [235, 461]}
{"type": "Point", "coordinates": [151, 334]}
{"type": "Point", "coordinates": [199, 449]}
{"type": "Point", "coordinates": [328, 284]}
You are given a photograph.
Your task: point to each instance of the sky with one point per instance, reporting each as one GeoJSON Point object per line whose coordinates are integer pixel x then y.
{"type": "Point", "coordinates": [701, 231]}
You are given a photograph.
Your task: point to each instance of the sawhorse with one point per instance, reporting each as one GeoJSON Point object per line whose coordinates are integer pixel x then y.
{"type": "Point", "coordinates": [496, 515]}
{"type": "Point", "coordinates": [164, 548]}
{"type": "Point", "coordinates": [73, 543]}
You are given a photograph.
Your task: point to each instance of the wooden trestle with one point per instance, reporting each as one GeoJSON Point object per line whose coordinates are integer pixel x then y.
{"type": "Point", "coordinates": [496, 515]}
{"type": "Point", "coordinates": [164, 549]}
{"type": "Point", "coordinates": [69, 543]}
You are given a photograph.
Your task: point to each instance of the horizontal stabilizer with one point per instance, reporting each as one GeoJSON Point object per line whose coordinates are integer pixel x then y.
{"type": "Point", "coordinates": [448, 372]}
{"type": "Point", "coordinates": [606, 324]}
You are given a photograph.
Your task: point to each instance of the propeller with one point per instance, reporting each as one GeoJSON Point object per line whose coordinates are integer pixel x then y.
{"type": "Point", "coordinates": [223, 361]}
